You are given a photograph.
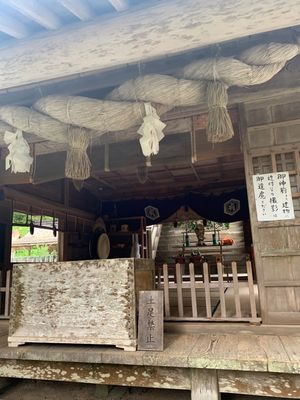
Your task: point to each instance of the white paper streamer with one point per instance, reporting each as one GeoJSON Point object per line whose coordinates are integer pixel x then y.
{"type": "Point", "coordinates": [18, 159]}
{"type": "Point", "coordinates": [151, 131]}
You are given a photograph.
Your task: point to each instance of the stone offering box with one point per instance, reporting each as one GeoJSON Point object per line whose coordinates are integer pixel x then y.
{"type": "Point", "coordinates": [82, 302]}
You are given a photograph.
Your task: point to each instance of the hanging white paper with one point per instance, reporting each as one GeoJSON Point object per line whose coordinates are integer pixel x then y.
{"type": "Point", "coordinates": [18, 159]}
{"type": "Point", "coordinates": [273, 196]}
{"type": "Point", "coordinates": [151, 131]}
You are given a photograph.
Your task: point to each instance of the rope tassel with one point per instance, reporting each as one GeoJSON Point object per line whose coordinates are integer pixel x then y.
{"type": "Point", "coordinates": [19, 158]}
{"type": "Point", "coordinates": [78, 165]}
{"type": "Point", "coordinates": [219, 125]}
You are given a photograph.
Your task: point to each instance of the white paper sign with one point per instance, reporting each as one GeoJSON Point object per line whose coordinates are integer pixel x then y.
{"type": "Point", "coordinates": [273, 196]}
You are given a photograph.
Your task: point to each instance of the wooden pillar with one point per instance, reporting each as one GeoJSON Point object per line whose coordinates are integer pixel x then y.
{"type": "Point", "coordinates": [6, 230]}
{"type": "Point", "coordinates": [63, 237]}
{"type": "Point", "coordinates": [204, 385]}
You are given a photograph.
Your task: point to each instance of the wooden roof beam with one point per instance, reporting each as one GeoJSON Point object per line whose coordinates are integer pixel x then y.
{"type": "Point", "coordinates": [12, 27]}
{"type": "Point", "coordinates": [80, 8]}
{"type": "Point", "coordinates": [119, 5]}
{"type": "Point", "coordinates": [35, 11]}
{"type": "Point", "coordinates": [162, 28]}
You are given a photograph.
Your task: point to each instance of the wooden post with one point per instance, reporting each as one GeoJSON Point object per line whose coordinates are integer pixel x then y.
{"type": "Point", "coordinates": [204, 385]}
{"type": "Point", "coordinates": [207, 290]}
{"type": "Point", "coordinates": [166, 290]}
{"type": "Point", "coordinates": [193, 290]}
{"type": "Point", "coordinates": [221, 289]}
{"type": "Point", "coordinates": [236, 290]}
{"type": "Point", "coordinates": [7, 294]}
{"type": "Point", "coordinates": [179, 290]}
{"type": "Point", "coordinates": [251, 290]}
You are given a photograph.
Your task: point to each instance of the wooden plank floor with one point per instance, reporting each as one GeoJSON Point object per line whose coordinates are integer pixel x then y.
{"type": "Point", "coordinates": [243, 351]}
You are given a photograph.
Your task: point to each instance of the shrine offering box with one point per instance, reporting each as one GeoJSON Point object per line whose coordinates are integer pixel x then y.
{"type": "Point", "coordinates": [82, 302]}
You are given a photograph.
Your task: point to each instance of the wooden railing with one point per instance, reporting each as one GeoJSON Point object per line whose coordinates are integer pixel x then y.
{"type": "Point", "coordinates": [33, 259]}
{"type": "Point", "coordinates": [5, 295]}
{"type": "Point", "coordinates": [205, 295]}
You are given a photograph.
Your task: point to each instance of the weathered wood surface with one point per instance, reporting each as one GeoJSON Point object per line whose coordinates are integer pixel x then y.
{"type": "Point", "coordinates": [153, 29]}
{"type": "Point", "coordinates": [270, 133]}
{"type": "Point", "coordinates": [272, 368]}
{"type": "Point", "coordinates": [204, 385]}
{"type": "Point", "coordinates": [262, 365]}
{"type": "Point", "coordinates": [260, 384]}
{"type": "Point", "coordinates": [121, 375]}
{"type": "Point", "coordinates": [87, 302]}
{"type": "Point", "coordinates": [221, 351]}
{"type": "Point", "coordinates": [42, 202]}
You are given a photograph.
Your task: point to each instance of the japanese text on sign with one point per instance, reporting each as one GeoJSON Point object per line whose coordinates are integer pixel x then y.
{"type": "Point", "coordinates": [273, 196]}
{"type": "Point", "coordinates": [150, 335]}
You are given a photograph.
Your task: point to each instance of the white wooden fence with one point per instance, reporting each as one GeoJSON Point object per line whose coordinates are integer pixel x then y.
{"type": "Point", "coordinates": [202, 295]}
{"type": "Point", "coordinates": [34, 259]}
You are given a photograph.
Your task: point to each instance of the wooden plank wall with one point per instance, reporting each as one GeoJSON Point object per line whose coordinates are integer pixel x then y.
{"type": "Point", "coordinates": [271, 143]}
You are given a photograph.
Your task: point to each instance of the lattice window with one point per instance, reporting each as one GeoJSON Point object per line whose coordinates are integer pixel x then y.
{"type": "Point", "coordinates": [262, 165]}
{"type": "Point", "coordinates": [285, 162]}
{"type": "Point", "coordinates": [278, 162]}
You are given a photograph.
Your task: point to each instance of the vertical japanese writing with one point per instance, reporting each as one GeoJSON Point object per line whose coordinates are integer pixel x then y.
{"type": "Point", "coordinates": [150, 320]}
{"type": "Point", "coordinates": [273, 196]}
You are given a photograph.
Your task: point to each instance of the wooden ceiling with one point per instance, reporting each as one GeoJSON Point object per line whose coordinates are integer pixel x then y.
{"type": "Point", "coordinates": [186, 162]}
{"type": "Point", "coordinates": [219, 175]}
{"type": "Point", "coordinates": [21, 19]}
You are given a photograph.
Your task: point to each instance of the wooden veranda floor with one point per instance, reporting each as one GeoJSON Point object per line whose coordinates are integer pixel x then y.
{"type": "Point", "coordinates": [249, 356]}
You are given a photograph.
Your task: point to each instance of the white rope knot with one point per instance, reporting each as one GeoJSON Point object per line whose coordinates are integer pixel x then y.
{"type": "Point", "coordinates": [19, 158]}
{"type": "Point", "coordinates": [151, 131]}
{"type": "Point", "coordinates": [78, 165]}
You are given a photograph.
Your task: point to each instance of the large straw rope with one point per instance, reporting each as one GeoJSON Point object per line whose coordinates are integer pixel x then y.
{"type": "Point", "coordinates": [3, 128]}
{"type": "Point", "coordinates": [204, 79]}
{"type": "Point", "coordinates": [231, 71]}
{"type": "Point", "coordinates": [89, 113]}
{"type": "Point", "coordinates": [100, 115]}
{"type": "Point", "coordinates": [161, 89]}
{"type": "Point", "coordinates": [257, 65]}
{"type": "Point", "coordinates": [31, 121]}
{"type": "Point", "coordinates": [253, 66]}
{"type": "Point", "coordinates": [269, 53]}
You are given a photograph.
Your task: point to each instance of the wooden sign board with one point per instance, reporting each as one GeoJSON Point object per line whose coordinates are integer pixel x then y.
{"type": "Point", "coordinates": [151, 317]}
{"type": "Point", "coordinates": [273, 196]}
